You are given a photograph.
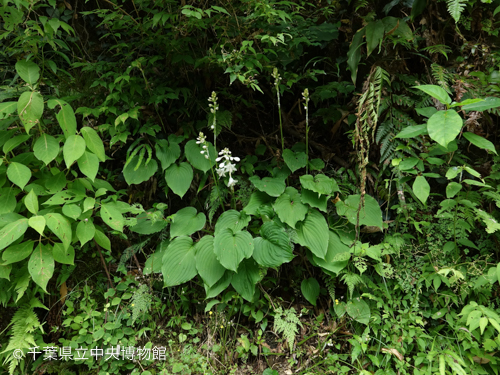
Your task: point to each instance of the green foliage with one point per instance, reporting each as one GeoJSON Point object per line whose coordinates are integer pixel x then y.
{"type": "Point", "coordinates": [286, 322]}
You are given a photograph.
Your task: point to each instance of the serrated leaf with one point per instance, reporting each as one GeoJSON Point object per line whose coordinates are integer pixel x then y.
{"type": "Point", "coordinates": [179, 263]}
{"type": "Point", "coordinates": [230, 248]}
{"type": "Point", "coordinates": [444, 126]}
{"type": "Point", "coordinates": [60, 226]}
{"type": "Point", "coordinates": [273, 248]}
{"type": "Point", "coordinates": [196, 159]}
{"type": "Point", "coordinates": [73, 149]}
{"type": "Point", "coordinates": [233, 220]}
{"type": "Point", "coordinates": [19, 174]}
{"type": "Point", "coordinates": [289, 207]}
{"type": "Point", "coordinates": [310, 290]}
{"type": "Point", "coordinates": [421, 188]}
{"type": "Point", "coordinates": [28, 71]}
{"type": "Point", "coordinates": [320, 184]}
{"type": "Point", "coordinates": [112, 216]}
{"type": "Point", "coordinates": [85, 231]}
{"type": "Point", "coordinates": [179, 178]}
{"type": "Point", "coordinates": [273, 186]}
{"type": "Point", "coordinates": [186, 222]}
{"type": "Point", "coordinates": [37, 223]}
{"type": "Point", "coordinates": [46, 148]}
{"type": "Point", "coordinates": [480, 142]}
{"type": "Point", "coordinates": [93, 142]}
{"type": "Point", "coordinates": [89, 165]}
{"type": "Point", "coordinates": [207, 264]}
{"type": "Point", "coordinates": [313, 233]}
{"type": "Point", "coordinates": [246, 278]}
{"type": "Point", "coordinates": [41, 265]}
{"type": "Point", "coordinates": [63, 255]}
{"type": "Point", "coordinates": [294, 160]}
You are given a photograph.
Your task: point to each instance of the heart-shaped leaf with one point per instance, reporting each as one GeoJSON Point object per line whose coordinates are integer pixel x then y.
{"type": "Point", "coordinates": [289, 207]}
{"type": "Point", "coordinates": [207, 264]}
{"type": "Point", "coordinates": [444, 126]}
{"type": "Point", "coordinates": [313, 233]}
{"type": "Point", "coordinates": [179, 178]}
{"type": "Point", "coordinates": [310, 290]}
{"type": "Point", "coordinates": [320, 184]}
{"type": "Point", "coordinates": [246, 278]}
{"type": "Point", "coordinates": [230, 248]}
{"type": "Point", "coordinates": [233, 220]}
{"type": "Point", "coordinates": [186, 222]}
{"type": "Point", "coordinates": [294, 160]}
{"type": "Point", "coordinates": [273, 186]}
{"type": "Point", "coordinates": [179, 263]}
{"type": "Point", "coordinates": [273, 248]}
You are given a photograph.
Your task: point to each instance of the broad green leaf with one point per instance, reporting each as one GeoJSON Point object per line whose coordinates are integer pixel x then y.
{"type": "Point", "coordinates": [480, 142]}
{"type": "Point", "coordinates": [72, 210]}
{"type": "Point", "coordinates": [73, 149]}
{"type": "Point", "coordinates": [179, 178]}
{"type": "Point", "coordinates": [28, 71]}
{"type": "Point", "coordinates": [289, 207]}
{"type": "Point", "coordinates": [487, 103]}
{"type": "Point", "coordinates": [63, 255]}
{"type": "Point", "coordinates": [246, 278]}
{"type": "Point", "coordinates": [12, 143]}
{"type": "Point", "coordinates": [5, 270]}
{"type": "Point", "coordinates": [354, 53]}
{"type": "Point", "coordinates": [230, 248]}
{"type": "Point", "coordinates": [102, 240]}
{"type": "Point", "coordinates": [19, 174]}
{"type": "Point", "coordinates": [94, 142]}
{"type": "Point", "coordinates": [374, 35]}
{"type": "Point", "coordinates": [273, 248]}
{"type": "Point", "coordinates": [444, 126]}
{"type": "Point", "coordinates": [219, 286]}
{"type": "Point", "coordinates": [320, 184]}
{"type": "Point", "coordinates": [272, 186]}
{"type": "Point", "coordinates": [196, 159]}
{"type": "Point", "coordinates": [313, 233]}
{"type": "Point", "coordinates": [466, 102]}
{"type": "Point", "coordinates": [421, 188]}
{"type": "Point", "coordinates": [85, 231]}
{"type": "Point", "coordinates": [154, 262]}
{"type": "Point", "coordinates": [426, 112]}
{"type": "Point", "coordinates": [8, 200]}
{"type": "Point", "coordinates": [408, 163]}
{"type": "Point", "coordinates": [112, 216]}
{"type": "Point", "coordinates": [452, 189]}
{"type": "Point", "coordinates": [257, 199]}
{"type": "Point", "coordinates": [314, 199]}
{"type": "Point", "coordinates": [337, 255]}
{"type": "Point", "coordinates": [147, 225]}
{"type": "Point", "coordinates": [358, 310]}
{"type": "Point", "coordinates": [60, 226]}
{"type": "Point", "coordinates": [16, 253]}
{"type": "Point", "coordinates": [370, 214]}
{"type": "Point", "coordinates": [436, 92]}
{"type": "Point", "coordinates": [186, 222]}
{"type": "Point", "coordinates": [233, 220]}
{"type": "Point", "coordinates": [46, 148]}
{"type": "Point", "coordinates": [41, 265]}
{"type": "Point", "coordinates": [30, 109]}
{"type": "Point", "coordinates": [310, 290]}
{"type": "Point", "coordinates": [207, 264]}
{"type": "Point", "coordinates": [89, 165]}
{"type": "Point", "coordinates": [7, 108]}
{"type": "Point", "coordinates": [37, 223]}
{"type": "Point", "coordinates": [141, 174]}
{"type": "Point", "coordinates": [167, 153]}
{"type": "Point", "coordinates": [294, 160]}
{"type": "Point", "coordinates": [412, 131]}
{"type": "Point", "coordinates": [88, 204]}
{"type": "Point", "coordinates": [65, 117]}
{"type": "Point", "coordinates": [179, 263]}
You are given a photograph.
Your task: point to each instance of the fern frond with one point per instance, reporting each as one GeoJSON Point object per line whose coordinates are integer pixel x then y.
{"type": "Point", "coordinates": [141, 302]}
{"type": "Point", "coordinates": [455, 8]}
{"type": "Point", "coordinates": [352, 280]}
{"type": "Point", "coordinates": [442, 76]}
{"type": "Point", "coordinates": [287, 322]}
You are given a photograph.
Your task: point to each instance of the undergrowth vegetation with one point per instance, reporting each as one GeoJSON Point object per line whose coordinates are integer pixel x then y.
{"type": "Point", "coordinates": [249, 187]}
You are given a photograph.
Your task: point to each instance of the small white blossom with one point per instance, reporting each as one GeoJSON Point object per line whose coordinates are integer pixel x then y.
{"type": "Point", "coordinates": [231, 182]}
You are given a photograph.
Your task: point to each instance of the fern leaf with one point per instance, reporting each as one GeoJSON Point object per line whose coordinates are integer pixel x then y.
{"type": "Point", "coordinates": [455, 8]}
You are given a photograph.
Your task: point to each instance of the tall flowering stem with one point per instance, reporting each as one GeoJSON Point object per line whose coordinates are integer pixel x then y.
{"type": "Point", "coordinates": [305, 96]}
{"type": "Point", "coordinates": [214, 107]}
{"type": "Point", "coordinates": [277, 80]}
{"type": "Point", "coordinates": [206, 153]}
{"type": "Point", "coordinates": [226, 166]}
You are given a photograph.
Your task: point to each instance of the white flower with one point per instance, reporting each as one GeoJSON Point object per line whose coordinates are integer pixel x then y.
{"type": "Point", "coordinates": [221, 172]}
{"type": "Point", "coordinates": [231, 182]}
{"type": "Point", "coordinates": [230, 168]}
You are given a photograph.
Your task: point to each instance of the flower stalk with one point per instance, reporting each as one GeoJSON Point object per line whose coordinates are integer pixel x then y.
{"type": "Point", "coordinates": [277, 80]}
{"type": "Point", "coordinates": [305, 96]}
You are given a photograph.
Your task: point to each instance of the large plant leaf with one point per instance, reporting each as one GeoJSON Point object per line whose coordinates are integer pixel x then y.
{"type": "Point", "coordinates": [12, 231]}
{"type": "Point", "coordinates": [179, 178]}
{"type": "Point", "coordinates": [310, 290]}
{"type": "Point", "coordinates": [65, 117]}
{"type": "Point", "coordinates": [19, 174]}
{"type": "Point", "coordinates": [289, 207]}
{"type": "Point", "coordinates": [421, 188]}
{"type": "Point", "coordinates": [313, 233]}
{"type": "Point", "coordinates": [12, 143]}
{"type": "Point", "coordinates": [374, 35]}
{"type": "Point", "coordinates": [320, 184]}
{"type": "Point", "coordinates": [16, 253]}
{"type": "Point", "coordinates": [186, 221]}
{"type": "Point", "coordinates": [179, 263]}
{"type": "Point", "coordinates": [354, 54]}
{"type": "Point", "coordinates": [63, 255]}
{"type": "Point", "coordinates": [60, 226]}
{"type": "Point", "coordinates": [46, 148]}
{"type": "Point", "coordinates": [207, 264]}
{"type": "Point", "coordinates": [197, 160]}
{"type": "Point", "coordinates": [94, 142]}
{"type": "Point", "coordinates": [246, 278]}
{"type": "Point", "coordinates": [487, 103]}
{"type": "Point", "coordinates": [219, 286]}
{"type": "Point", "coordinates": [89, 165]}
{"type": "Point", "coordinates": [358, 310]}
{"type": "Point", "coordinates": [37, 223]}
{"type": "Point", "coordinates": [273, 248]}
{"type": "Point", "coordinates": [314, 199]}
{"type": "Point", "coordinates": [167, 153]}
{"type": "Point", "coordinates": [230, 248]}
{"type": "Point", "coordinates": [73, 149]}
{"type": "Point", "coordinates": [8, 201]}
{"type": "Point", "coordinates": [142, 173]}
{"type": "Point", "coordinates": [257, 199]}
{"type": "Point", "coordinates": [480, 142]}
{"type": "Point", "coordinates": [28, 71]}
{"type": "Point", "coordinates": [30, 109]}
{"type": "Point", "coordinates": [112, 216]}
{"type": "Point", "coordinates": [85, 231]}
{"type": "Point", "coordinates": [146, 224]}
{"type": "Point", "coordinates": [31, 202]}
{"type": "Point", "coordinates": [273, 186]}
{"type": "Point", "coordinates": [370, 214]}
{"type": "Point", "coordinates": [41, 265]}
{"type": "Point", "coordinates": [294, 160]}
{"type": "Point", "coordinates": [337, 255]}
{"type": "Point", "coordinates": [444, 126]}
{"type": "Point", "coordinates": [233, 220]}
{"type": "Point", "coordinates": [436, 92]}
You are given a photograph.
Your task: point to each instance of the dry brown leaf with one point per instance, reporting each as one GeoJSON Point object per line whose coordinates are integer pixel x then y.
{"type": "Point", "coordinates": [395, 352]}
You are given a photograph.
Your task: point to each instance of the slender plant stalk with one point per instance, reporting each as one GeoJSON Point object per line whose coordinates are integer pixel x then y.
{"type": "Point", "coordinates": [305, 95]}
{"type": "Point", "coordinates": [277, 80]}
